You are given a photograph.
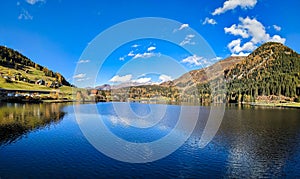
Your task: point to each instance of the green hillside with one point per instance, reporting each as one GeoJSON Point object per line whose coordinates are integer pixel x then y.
{"type": "Point", "coordinates": [272, 69]}
{"type": "Point", "coordinates": [19, 72]}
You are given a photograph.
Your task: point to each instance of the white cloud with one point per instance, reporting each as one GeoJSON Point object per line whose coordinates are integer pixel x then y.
{"type": "Point", "coordinates": [82, 79]}
{"type": "Point", "coordinates": [79, 76]}
{"type": "Point", "coordinates": [236, 30]}
{"type": "Point", "coordinates": [235, 46]}
{"type": "Point", "coordinates": [121, 79]}
{"type": "Point", "coordinates": [255, 29]}
{"type": "Point", "coordinates": [188, 40]}
{"type": "Point", "coordinates": [83, 61]}
{"type": "Point", "coordinates": [193, 60]}
{"type": "Point", "coordinates": [164, 78]}
{"type": "Point", "coordinates": [213, 60]}
{"type": "Point", "coordinates": [183, 26]}
{"type": "Point", "coordinates": [32, 2]}
{"type": "Point", "coordinates": [142, 80]}
{"type": "Point", "coordinates": [200, 61]}
{"type": "Point", "coordinates": [25, 15]}
{"type": "Point", "coordinates": [131, 54]}
{"type": "Point", "coordinates": [151, 48]}
{"type": "Point", "coordinates": [144, 55]}
{"type": "Point", "coordinates": [277, 28]}
{"type": "Point", "coordinates": [234, 43]}
{"type": "Point", "coordinates": [135, 46]}
{"type": "Point", "coordinates": [232, 4]}
{"type": "Point", "coordinates": [250, 29]}
{"type": "Point", "coordinates": [241, 54]}
{"type": "Point", "coordinates": [209, 21]}
{"type": "Point", "coordinates": [142, 75]}
{"type": "Point", "coordinates": [140, 55]}
{"type": "Point", "coordinates": [277, 38]}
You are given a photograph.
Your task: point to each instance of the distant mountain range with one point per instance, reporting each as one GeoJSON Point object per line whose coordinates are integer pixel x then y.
{"type": "Point", "coordinates": [271, 70]}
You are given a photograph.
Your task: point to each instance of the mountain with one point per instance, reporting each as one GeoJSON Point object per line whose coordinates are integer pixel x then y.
{"type": "Point", "coordinates": [17, 71]}
{"type": "Point", "coordinates": [272, 69]}
{"type": "Point", "coordinates": [173, 91]}
{"type": "Point", "coordinates": [271, 72]}
{"type": "Point", "coordinates": [201, 75]}
{"type": "Point", "coordinates": [105, 87]}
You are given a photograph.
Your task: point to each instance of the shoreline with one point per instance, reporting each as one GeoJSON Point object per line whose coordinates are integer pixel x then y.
{"type": "Point", "coordinates": [284, 105]}
{"type": "Point", "coordinates": [34, 101]}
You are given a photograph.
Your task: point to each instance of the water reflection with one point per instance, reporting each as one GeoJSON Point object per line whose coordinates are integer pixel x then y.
{"type": "Point", "coordinates": [260, 141]}
{"type": "Point", "coordinates": [251, 143]}
{"type": "Point", "coordinates": [16, 120]}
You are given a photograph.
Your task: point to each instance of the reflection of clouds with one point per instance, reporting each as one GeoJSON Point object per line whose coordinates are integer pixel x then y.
{"type": "Point", "coordinates": [140, 115]}
{"type": "Point", "coordinates": [163, 127]}
{"type": "Point", "coordinates": [147, 152]}
{"type": "Point", "coordinates": [131, 121]}
{"type": "Point", "coordinates": [118, 121]}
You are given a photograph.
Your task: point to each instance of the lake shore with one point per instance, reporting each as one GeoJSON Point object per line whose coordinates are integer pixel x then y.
{"type": "Point", "coordinates": [286, 105]}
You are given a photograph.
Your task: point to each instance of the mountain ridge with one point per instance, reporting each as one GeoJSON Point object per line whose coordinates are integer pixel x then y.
{"type": "Point", "coordinates": [199, 76]}
{"type": "Point", "coordinates": [270, 70]}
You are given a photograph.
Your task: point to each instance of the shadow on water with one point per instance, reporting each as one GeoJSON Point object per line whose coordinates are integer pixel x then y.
{"type": "Point", "coordinates": [17, 120]}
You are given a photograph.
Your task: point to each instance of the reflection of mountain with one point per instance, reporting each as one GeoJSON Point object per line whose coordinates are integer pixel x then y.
{"type": "Point", "coordinates": [17, 120]}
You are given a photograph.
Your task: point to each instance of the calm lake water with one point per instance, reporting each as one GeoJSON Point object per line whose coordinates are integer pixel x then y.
{"type": "Point", "coordinates": [44, 140]}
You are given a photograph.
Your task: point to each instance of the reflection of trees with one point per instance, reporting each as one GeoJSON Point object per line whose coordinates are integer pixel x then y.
{"type": "Point", "coordinates": [16, 120]}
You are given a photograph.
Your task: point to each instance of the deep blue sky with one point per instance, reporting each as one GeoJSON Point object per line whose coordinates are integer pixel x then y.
{"type": "Point", "coordinates": [54, 33]}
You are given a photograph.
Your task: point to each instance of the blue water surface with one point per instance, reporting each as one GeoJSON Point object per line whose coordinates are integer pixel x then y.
{"type": "Point", "coordinates": [251, 142]}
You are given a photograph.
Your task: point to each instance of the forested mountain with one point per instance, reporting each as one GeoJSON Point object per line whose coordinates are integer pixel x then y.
{"type": "Point", "coordinates": [17, 67]}
{"type": "Point", "coordinates": [272, 69]}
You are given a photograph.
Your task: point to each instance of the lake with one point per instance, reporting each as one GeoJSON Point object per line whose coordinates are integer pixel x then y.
{"type": "Point", "coordinates": [46, 140]}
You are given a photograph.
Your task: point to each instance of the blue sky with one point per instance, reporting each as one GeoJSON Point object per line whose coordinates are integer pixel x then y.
{"type": "Point", "coordinates": [54, 33]}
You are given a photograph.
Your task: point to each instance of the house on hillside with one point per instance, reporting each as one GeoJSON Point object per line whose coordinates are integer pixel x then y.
{"type": "Point", "coordinates": [13, 78]}
{"type": "Point", "coordinates": [40, 82]}
{"type": "Point", "coordinates": [55, 84]}
{"type": "Point", "coordinates": [7, 79]}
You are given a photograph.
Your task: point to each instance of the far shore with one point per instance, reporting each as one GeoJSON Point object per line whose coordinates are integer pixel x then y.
{"type": "Point", "coordinates": [29, 99]}
{"type": "Point", "coordinates": [285, 105]}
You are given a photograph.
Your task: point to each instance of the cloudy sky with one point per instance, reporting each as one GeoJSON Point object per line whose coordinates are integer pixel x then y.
{"type": "Point", "coordinates": [54, 33]}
